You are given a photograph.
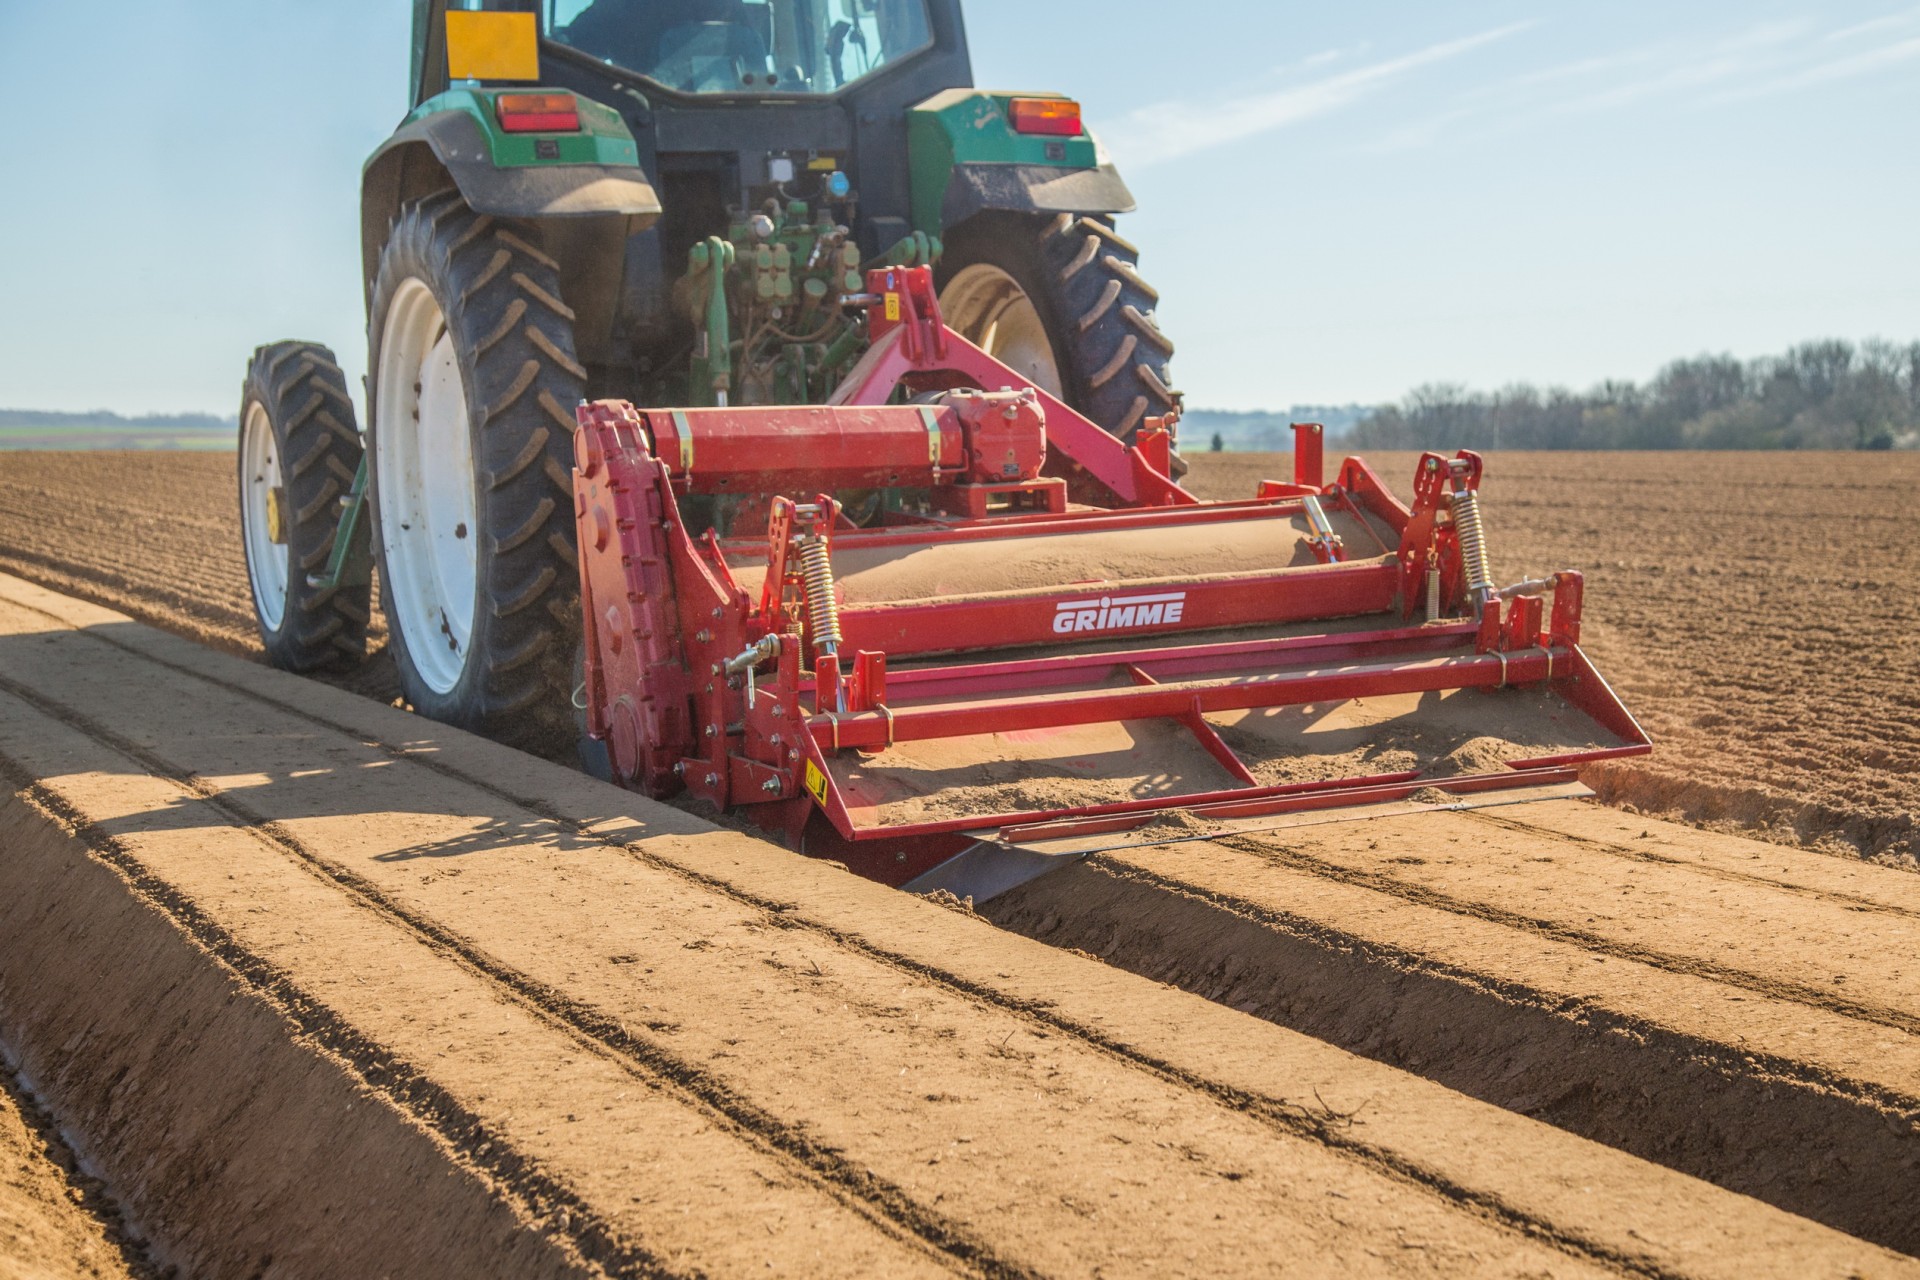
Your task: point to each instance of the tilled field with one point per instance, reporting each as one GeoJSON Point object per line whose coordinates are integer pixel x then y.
{"type": "Point", "coordinates": [55, 1223]}
{"type": "Point", "coordinates": [607, 1034]}
{"type": "Point", "coordinates": [1755, 610]}
{"type": "Point", "coordinates": [334, 991]}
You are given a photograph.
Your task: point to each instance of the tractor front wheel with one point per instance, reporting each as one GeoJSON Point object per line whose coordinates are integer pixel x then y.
{"type": "Point", "coordinates": [1061, 301]}
{"type": "Point", "coordinates": [297, 458]}
{"type": "Point", "coordinates": [474, 380]}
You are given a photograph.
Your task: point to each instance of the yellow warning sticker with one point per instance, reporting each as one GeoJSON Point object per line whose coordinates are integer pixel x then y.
{"type": "Point", "coordinates": [816, 783]}
{"type": "Point", "coordinates": [893, 306]}
{"type": "Point", "coordinates": [492, 46]}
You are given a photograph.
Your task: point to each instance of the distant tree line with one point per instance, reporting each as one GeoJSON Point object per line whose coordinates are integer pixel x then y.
{"type": "Point", "coordinates": [1820, 395]}
{"type": "Point", "coordinates": [1263, 430]}
{"type": "Point", "coordinates": [102, 419]}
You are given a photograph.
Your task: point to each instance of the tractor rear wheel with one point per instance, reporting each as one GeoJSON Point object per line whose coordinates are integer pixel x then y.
{"type": "Point", "coordinates": [473, 384]}
{"type": "Point", "coordinates": [1063, 302]}
{"type": "Point", "coordinates": [297, 458]}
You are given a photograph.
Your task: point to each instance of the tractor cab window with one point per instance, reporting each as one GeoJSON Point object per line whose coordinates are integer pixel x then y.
{"type": "Point", "coordinates": [743, 46]}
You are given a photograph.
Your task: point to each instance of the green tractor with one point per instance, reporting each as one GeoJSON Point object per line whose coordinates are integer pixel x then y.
{"type": "Point", "coordinates": [666, 201]}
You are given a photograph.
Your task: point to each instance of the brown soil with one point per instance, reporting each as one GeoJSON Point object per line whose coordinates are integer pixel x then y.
{"type": "Point", "coordinates": [1753, 609]}
{"type": "Point", "coordinates": [1438, 735]}
{"type": "Point", "coordinates": [153, 535]}
{"type": "Point", "coordinates": [1756, 611]}
{"type": "Point", "coordinates": [1737, 1011]}
{"type": "Point", "coordinates": [297, 960]}
{"type": "Point", "coordinates": [1746, 1013]}
{"type": "Point", "coordinates": [1116, 558]}
{"type": "Point", "coordinates": [55, 1221]}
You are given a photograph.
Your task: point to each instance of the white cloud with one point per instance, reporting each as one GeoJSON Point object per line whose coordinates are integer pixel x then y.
{"type": "Point", "coordinates": [1848, 68]}
{"type": "Point", "coordinates": [1169, 129]}
{"type": "Point", "coordinates": [1889, 22]}
{"type": "Point", "coordinates": [1761, 59]}
{"type": "Point", "coordinates": [1757, 50]}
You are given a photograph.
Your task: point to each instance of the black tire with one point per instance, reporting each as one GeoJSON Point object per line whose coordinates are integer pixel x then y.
{"type": "Point", "coordinates": [512, 337]}
{"type": "Point", "coordinates": [1085, 282]}
{"type": "Point", "coordinates": [300, 389]}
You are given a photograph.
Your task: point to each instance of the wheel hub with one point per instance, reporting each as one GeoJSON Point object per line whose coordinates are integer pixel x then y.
{"type": "Point", "coordinates": [263, 516]}
{"type": "Point", "coordinates": [428, 504]}
{"type": "Point", "coordinates": [987, 307]}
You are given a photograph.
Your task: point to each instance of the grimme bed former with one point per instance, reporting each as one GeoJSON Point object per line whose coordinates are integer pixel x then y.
{"type": "Point", "coordinates": [943, 623]}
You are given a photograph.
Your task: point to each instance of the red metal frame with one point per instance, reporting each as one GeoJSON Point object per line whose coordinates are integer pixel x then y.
{"type": "Point", "coordinates": [697, 685]}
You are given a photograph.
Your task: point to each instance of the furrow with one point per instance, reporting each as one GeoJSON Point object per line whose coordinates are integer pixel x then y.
{"type": "Point", "coordinates": [871, 1025]}
{"type": "Point", "coordinates": [662, 1070]}
{"type": "Point", "coordinates": [1324, 1126]}
{"type": "Point", "coordinates": [1775, 988]}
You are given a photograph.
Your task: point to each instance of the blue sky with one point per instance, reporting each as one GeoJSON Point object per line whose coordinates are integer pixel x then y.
{"type": "Point", "coordinates": [1338, 202]}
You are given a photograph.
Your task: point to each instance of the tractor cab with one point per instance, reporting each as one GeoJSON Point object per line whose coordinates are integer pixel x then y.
{"type": "Point", "coordinates": [670, 203]}
{"type": "Point", "coordinates": [743, 46]}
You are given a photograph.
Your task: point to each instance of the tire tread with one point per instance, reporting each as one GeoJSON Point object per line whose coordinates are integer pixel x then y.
{"type": "Point", "coordinates": [299, 384]}
{"type": "Point", "coordinates": [499, 289]}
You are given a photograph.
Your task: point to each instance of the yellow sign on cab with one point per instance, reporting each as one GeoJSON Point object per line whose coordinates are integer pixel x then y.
{"type": "Point", "coordinates": [492, 46]}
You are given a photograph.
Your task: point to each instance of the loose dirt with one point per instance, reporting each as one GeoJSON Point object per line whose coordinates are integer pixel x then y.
{"type": "Point", "coordinates": [498, 1008]}
{"type": "Point", "coordinates": [55, 1221]}
{"type": "Point", "coordinates": [1756, 611]}
{"type": "Point", "coordinates": [1744, 1012]}
{"type": "Point", "coordinates": [154, 535]}
{"type": "Point", "coordinates": [1735, 1010]}
{"type": "Point", "coordinates": [872, 572]}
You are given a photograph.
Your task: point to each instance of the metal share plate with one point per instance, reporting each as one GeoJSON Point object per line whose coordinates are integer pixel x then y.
{"type": "Point", "coordinates": [993, 866]}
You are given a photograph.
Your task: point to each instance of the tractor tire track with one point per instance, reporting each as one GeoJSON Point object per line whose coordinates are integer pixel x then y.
{"type": "Point", "coordinates": [1321, 1126]}
{"type": "Point", "coordinates": [647, 1061]}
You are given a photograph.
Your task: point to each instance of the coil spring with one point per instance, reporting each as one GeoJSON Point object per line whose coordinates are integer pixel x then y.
{"type": "Point", "coordinates": [823, 611]}
{"type": "Point", "coordinates": [1473, 543]}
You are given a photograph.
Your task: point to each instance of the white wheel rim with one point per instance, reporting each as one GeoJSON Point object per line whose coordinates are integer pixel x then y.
{"type": "Point", "coordinates": [267, 560]}
{"type": "Point", "coordinates": [987, 307]}
{"type": "Point", "coordinates": [423, 454]}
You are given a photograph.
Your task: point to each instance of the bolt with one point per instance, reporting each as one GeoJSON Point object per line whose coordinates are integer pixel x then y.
{"type": "Point", "coordinates": [776, 715]}
{"type": "Point", "coordinates": [712, 729]}
{"type": "Point", "coordinates": [770, 785]}
{"type": "Point", "coordinates": [704, 636]}
{"type": "Point", "coordinates": [775, 740]}
{"type": "Point", "coordinates": [680, 768]}
{"type": "Point", "coordinates": [713, 779]}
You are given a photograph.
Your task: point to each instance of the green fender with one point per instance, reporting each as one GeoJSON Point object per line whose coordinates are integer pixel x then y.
{"type": "Point", "coordinates": [453, 138]}
{"type": "Point", "coordinates": [964, 158]}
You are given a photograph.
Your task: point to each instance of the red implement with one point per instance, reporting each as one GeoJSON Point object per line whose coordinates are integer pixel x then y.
{"type": "Point", "coordinates": [1043, 634]}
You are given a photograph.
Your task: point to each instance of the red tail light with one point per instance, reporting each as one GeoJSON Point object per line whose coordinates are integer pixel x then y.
{"type": "Point", "coordinates": [1059, 117]}
{"type": "Point", "coordinates": [537, 112]}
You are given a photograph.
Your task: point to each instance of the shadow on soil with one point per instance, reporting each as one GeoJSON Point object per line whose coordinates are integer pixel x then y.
{"type": "Point", "coordinates": [1769, 1129]}
{"type": "Point", "coordinates": [1819, 1148]}
{"type": "Point", "coordinates": [224, 798]}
